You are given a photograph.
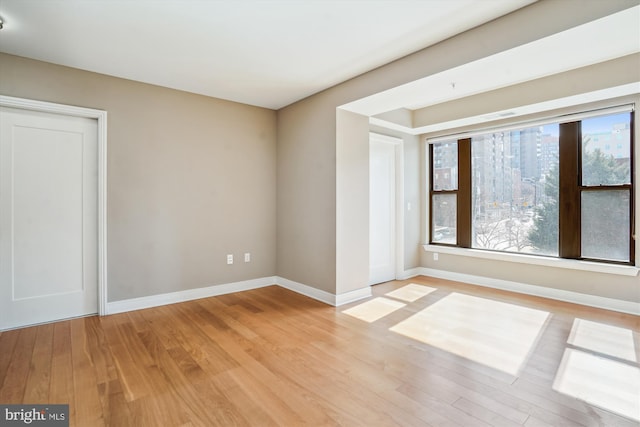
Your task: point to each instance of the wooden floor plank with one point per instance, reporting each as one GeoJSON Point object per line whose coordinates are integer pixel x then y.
{"type": "Point", "coordinates": [130, 369]}
{"type": "Point", "coordinates": [114, 405]}
{"type": "Point", "coordinates": [535, 422]}
{"type": "Point", "coordinates": [270, 357]}
{"type": "Point", "coordinates": [61, 386]}
{"type": "Point", "coordinates": [38, 381]}
{"type": "Point", "coordinates": [267, 385]}
{"type": "Point", "coordinates": [101, 357]}
{"type": "Point", "coordinates": [8, 341]}
{"type": "Point", "coordinates": [484, 414]}
{"type": "Point", "coordinates": [85, 407]}
{"type": "Point", "coordinates": [14, 384]}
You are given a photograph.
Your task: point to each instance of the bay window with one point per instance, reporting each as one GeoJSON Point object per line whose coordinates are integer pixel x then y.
{"type": "Point", "coordinates": [561, 188]}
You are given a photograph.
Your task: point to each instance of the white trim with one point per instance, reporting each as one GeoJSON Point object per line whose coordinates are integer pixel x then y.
{"type": "Point", "coordinates": [352, 296]}
{"type": "Point", "coordinates": [564, 118]}
{"type": "Point", "coordinates": [150, 301]}
{"type": "Point", "coordinates": [445, 129]}
{"type": "Point", "coordinates": [317, 294]}
{"type": "Point", "coordinates": [596, 267]}
{"type": "Point", "coordinates": [386, 139]}
{"type": "Point", "coordinates": [540, 291]}
{"type": "Point", "coordinates": [400, 203]}
{"type": "Point", "coordinates": [187, 295]}
{"type": "Point", "coordinates": [426, 198]}
{"type": "Point", "coordinates": [324, 296]}
{"type": "Point", "coordinates": [101, 117]}
{"type": "Point", "coordinates": [412, 272]}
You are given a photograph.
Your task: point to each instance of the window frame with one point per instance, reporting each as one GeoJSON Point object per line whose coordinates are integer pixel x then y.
{"type": "Point", "coordinates": [434, 192]}
{"type": "Point", "coordinates": [462, 192]}
{"type": "Point", "coordinates": [570, 187]}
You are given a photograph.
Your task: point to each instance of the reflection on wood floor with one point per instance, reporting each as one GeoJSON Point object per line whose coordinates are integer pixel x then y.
{"type": "Point", "coordinates": [423, 352]}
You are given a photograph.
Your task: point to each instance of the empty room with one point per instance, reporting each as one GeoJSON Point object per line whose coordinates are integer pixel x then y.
{"type": "Point", "coordinates": [319, 212]}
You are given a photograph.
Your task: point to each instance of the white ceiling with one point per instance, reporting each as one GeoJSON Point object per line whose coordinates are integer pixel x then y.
{"type": "Point", "coordinates": [543, 57]}
{"type": "Point", "coordinates": [268, 53]}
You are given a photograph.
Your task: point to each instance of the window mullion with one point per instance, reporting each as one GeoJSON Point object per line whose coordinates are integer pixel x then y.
{"type": "Point", "coordinates": [464, 193]}
{"type": "Point", "coordinates": [569, 197]}
{"type": "Point", "coordinates": [632, 225]}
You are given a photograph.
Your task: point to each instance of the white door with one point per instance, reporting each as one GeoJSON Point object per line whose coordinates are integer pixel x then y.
{"type": "Point", "coordinates": [48, 217]}
{"type": "Point", "coordinates": [382, 208]}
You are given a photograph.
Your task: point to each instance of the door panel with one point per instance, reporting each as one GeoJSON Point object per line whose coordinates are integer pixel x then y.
{"type": "Point", "coordinates": [382, 218]}
{"type": "Point", "coordinates": [48, 217]}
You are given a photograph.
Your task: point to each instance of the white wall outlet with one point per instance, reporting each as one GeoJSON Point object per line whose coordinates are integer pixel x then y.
{"type": "Point", "coordinates": [435, 256]}
{"type": "Point", "coordinates": [247, 257]}
{"type": "Point", "coordinates": [229, 259]}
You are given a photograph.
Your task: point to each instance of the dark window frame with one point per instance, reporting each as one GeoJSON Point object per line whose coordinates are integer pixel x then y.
{"type": "Point", "coordinates": [570, 194]}
{"type": "Point", "coordinates": [433, 192]}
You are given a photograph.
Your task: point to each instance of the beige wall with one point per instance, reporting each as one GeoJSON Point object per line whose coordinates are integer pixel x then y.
{"type": "Point", "coordinates": [413, 191]}
{"type": "Point", "coordinates": [352, 201]}
{"type": "Point", "coordinates": [306, 204]}
{"type": "Point", "coordinates": [190, 178]}
{"type": "Point", "coordinates": [307, 139]}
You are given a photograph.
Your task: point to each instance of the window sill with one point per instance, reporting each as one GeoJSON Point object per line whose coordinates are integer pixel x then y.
{"type": "Point", "coordinates": [621, 270]}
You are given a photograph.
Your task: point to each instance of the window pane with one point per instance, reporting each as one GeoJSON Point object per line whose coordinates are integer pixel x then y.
{"type": "Point", "coordinates": [444, 218]}
{"type": "Point", "coordinates": [445, 166]}
{"type": "Point", "coordinates": [515, 190]}
{"type": "Point", "coordinates": [605, 225]}
{"type": "Point", "coordinates": [606, 150]}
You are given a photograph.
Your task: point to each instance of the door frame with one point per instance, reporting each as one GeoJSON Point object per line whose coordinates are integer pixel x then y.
{"type": "Point", "coordinates": [101, 117]}
{"type": "Point", "coordinates": [398, 145]}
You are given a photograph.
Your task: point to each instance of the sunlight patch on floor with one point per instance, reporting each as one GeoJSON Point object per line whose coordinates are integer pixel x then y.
{"type": "Point", "coordinates": [496, 334]}
{"type": "Point", "coordinates": [605, 339]}
{"type": "Point", "coordinates": [599, 381]}
{"type": "Point", "coordinates": [374, 309]}
{"type": "Point", "coordinates": [411, 292]}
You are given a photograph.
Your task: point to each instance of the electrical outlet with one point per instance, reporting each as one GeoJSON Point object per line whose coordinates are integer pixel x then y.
{"type": "Point", "coordinates": [435, 256]}
{"type": "Point", "coordinates": [230, 259]}
{"type": "Point", "coordinates": [247, 257]}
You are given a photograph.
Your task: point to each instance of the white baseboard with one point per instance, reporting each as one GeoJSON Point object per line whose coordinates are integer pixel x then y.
{"type": "Point", "coordinates": [541, 291]}
{"type": "Point", "coordinates": [317, 294]}
{"type": "Point", "coordinates": [324, 296]}
{"type": "Point", "coordinates": [408, 274]}
{"type": "Point", "coordinates": [352, 296]}
{"type": "Point", "coordinates": [227, 288]}
{"type": "Point", "coordinates": [187, 295]}
{"type": "Point", "coordinates": [345, 298]}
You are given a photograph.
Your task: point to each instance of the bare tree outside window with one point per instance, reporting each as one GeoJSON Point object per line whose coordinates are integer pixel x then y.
{"type": "Point", "coordinates": [510, 170]}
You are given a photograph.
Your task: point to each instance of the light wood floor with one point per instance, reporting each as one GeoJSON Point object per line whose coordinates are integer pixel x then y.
{"type": "Point", "coordinates": [439, 357]}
